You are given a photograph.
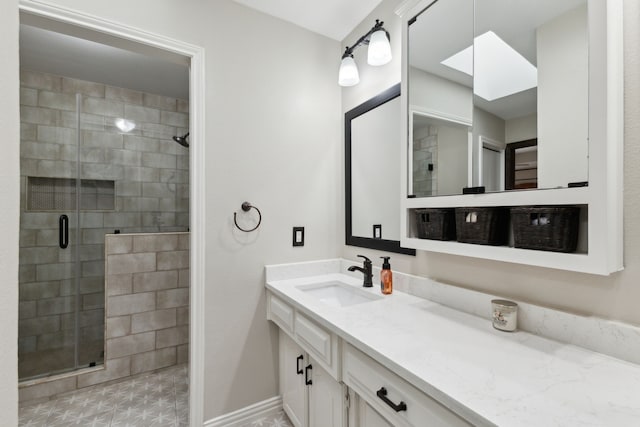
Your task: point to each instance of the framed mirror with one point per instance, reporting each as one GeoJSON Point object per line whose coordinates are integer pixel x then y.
{"type": "Point", "coordinates": [372, 173]}
{"type": "Point", "coordinates": [478, 83]}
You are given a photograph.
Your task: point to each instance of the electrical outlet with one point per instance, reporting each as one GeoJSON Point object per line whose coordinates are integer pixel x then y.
{"type": "Point", "coordinates": [377, 231]}
{"type": "Point", "coordinates": [298, 236]}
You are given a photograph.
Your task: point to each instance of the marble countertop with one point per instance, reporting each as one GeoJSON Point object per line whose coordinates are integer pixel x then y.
{"type": "Point", "coordinates": [487, 376]}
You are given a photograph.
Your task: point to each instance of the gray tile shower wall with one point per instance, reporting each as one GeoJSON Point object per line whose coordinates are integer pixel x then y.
{"type": "Point", "coordinates": [147, 311]}
{"type": "Point", "coordinates": [425, 147]}
{"type": "Point", "coordinates": [149, 169]}
{"type": "Point", "coordinates": [150, 193]}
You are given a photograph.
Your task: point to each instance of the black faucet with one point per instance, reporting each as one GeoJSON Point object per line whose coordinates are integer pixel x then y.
{"type": "Point", "coordinates": [366, 270]}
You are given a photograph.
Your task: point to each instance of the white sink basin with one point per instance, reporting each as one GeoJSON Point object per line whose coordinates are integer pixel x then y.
{"type": "Point", "coordinates": [338, 294]}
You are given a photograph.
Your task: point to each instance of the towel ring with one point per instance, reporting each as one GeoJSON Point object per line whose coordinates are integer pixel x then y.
{"type": "Point", "coordinates": [246, 206]}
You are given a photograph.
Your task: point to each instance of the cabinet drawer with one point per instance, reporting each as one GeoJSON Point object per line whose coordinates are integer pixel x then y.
{"type": "Point", "coordinates": [367, 378]}
{"type": "Point", "coordinates": [321, 344]}
{"type": "Point", "coordinates": [280, 312]}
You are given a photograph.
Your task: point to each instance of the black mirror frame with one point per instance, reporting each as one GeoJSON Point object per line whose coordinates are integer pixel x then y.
{"type": "Point", "coordinates": [350, 239]}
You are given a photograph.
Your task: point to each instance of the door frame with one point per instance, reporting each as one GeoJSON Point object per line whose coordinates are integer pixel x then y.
{"type": "Point", "coordinates": [510, 161]}
{"type": "Point", "coordinates": [491, 144]}
{"type": "Point", "coordinates": [196, 170]}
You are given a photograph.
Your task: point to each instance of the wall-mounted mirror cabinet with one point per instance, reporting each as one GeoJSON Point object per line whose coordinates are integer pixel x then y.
{"type": "Point", "coordinates": [523, 100]}
{"type": "Point", "coordinates": [480, 82]}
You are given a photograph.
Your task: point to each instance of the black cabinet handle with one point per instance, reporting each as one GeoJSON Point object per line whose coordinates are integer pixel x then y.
{"type": "Point", "coordinates": [298, 368]}
{"type": "Point", "coordinates": [63, 231]}
{"type": "Point", "coordinates": [382, 394]}
{"type": "Point", "coordinates": [307, 381]}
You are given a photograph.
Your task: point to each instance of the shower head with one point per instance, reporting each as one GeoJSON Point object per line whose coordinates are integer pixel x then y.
{"type": "Point", "coordinates": [182, 140]}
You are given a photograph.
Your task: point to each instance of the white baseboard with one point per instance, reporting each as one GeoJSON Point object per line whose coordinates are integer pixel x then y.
{"type": "Point", "coordinates": [266, 408]}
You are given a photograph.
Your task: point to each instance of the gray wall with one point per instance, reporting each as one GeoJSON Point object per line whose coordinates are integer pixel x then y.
{"type": "Point", "coordinates": [521, 128]}
{"type": "Point", "coordinates": [436, 95]}
{"type": "Point", "coordinates": [10, 220]}
{"type": "Point", "coordinates": [487, 125]}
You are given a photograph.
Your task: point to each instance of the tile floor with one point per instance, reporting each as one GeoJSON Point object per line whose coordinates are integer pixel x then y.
{"type": "Point", "coordinates": [278, 420]}
{"type": "Point", "coordinates": [159, 399]}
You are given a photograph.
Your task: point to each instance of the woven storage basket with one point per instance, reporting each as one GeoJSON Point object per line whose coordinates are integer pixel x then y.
{"type": "Point", "coordinates": [436, 224]}
{"type": "Point", "coordinates": [546, 228]}
{"type": "Point", "coordinates": [483, 226]}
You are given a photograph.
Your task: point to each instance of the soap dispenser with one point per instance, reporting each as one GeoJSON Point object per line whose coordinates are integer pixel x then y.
{"type": "Point", "coordinates": [386, 278]}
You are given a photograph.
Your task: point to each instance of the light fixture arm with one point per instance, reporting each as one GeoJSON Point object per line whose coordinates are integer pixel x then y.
{"type": "Point", "coordinates": [364, 40]}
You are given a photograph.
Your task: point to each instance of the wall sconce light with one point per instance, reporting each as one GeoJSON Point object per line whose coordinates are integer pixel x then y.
{"type": "Point", "coordinates": [379, 53]}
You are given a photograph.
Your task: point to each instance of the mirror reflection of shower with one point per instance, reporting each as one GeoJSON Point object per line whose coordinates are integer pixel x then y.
{"type": "Point", "coordinates": [182, 140]}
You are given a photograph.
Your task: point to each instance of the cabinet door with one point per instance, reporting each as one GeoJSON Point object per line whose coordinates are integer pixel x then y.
{"type": "Point", "coordinates": [292, 386]}
{"type": "Point", "coordinates": [326, 400]}
{"type": "Point", "coordinates": [361, 414]}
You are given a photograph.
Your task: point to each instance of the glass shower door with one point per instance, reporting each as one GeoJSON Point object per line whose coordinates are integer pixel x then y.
{"type": "Point", "coordinates": [90, 166]}
{"type": "Point", "coordinates": [48, 323]}
{"type": "Point", "coordinates": [100, 151]}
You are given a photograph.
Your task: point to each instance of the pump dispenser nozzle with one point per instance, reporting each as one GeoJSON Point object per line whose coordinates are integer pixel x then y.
{"type": "Point", "coordinates": [385, 263]}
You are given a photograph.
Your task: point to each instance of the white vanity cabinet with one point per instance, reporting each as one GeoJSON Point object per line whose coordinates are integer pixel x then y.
{"type": "Point", "coordinates": [388, 396]}
{"type": "Point", "coordinates": [312, 395]}
{"type": "Point", "coordinates": [362, 414]}
{"type": "Point", "coordinates": [313, 365]}
{"type": "Point", "coordinates": [368, 417]}
{"type": "Point", "coordinates": [326, 399]}
{"type": "Point", "coordinates": [292, 385]}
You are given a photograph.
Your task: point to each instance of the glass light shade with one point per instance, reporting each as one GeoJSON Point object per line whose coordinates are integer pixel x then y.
{"type": "Point", "coordinates": [379, 52]}
{"type": "Point", "coordinates": [348, 75]}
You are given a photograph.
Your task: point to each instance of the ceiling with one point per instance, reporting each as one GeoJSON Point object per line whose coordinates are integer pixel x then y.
{"type": "Point", "coordinates": [66, 55]}
{"type": "Point", "coordinates": [70, 52]}
{"type": "Point", "coordinates": [332, 18]}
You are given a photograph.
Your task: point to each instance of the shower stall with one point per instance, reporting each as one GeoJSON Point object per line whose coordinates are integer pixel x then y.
{"type": "Point", "coordinates": [95, 160]}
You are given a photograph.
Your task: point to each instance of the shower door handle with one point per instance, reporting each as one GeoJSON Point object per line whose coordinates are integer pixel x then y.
{"type": "Point", "coordinates": [63, 229]}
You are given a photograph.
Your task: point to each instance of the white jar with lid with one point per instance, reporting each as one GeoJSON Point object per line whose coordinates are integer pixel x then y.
{"type": "Point", "coordinates": [504, 315]}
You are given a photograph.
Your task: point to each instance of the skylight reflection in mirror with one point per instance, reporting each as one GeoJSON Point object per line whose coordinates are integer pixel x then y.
{"type": "Point", "coordinates": [499, 69]}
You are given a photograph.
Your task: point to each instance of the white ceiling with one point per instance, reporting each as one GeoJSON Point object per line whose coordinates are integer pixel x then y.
{"type": "Point", "coordinates": [332, 18]}
{"type": "Point", "coordinates": [47, 47]}
{"type": "Point", "coordinates": [65, 55]}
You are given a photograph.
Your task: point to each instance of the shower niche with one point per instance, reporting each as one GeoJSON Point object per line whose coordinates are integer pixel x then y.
{"type": "Point", "coordinates": [95, 160]}
{"type": "Point", "coordinates": [51, 194]}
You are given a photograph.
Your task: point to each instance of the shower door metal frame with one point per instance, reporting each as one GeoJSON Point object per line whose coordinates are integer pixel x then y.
{"type": "Point", "coordinates": [76, 357]}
